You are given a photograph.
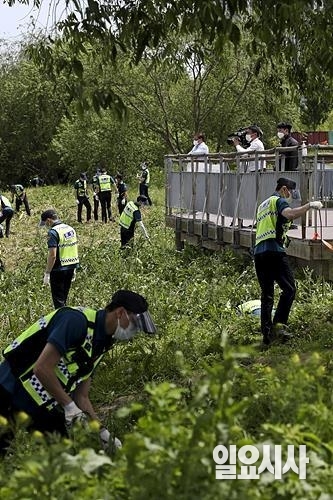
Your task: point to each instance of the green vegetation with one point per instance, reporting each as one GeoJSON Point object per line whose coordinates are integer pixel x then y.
{"type": "Point", "coordinates": [202, 381]}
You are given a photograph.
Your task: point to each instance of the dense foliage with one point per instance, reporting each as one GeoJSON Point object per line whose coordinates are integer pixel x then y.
{"type": "Point", "coordinates": [202, 381]}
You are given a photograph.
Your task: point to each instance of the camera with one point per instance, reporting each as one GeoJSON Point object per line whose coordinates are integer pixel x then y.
{"type": "Point", "coordinates": [240, 135]}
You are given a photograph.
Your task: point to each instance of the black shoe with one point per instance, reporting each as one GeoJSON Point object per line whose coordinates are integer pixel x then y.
{"type": "Point", "coordinates": [281, 334]}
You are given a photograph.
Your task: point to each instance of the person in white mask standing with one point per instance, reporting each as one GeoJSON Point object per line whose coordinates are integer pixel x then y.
{"type": "Point", "coordinates": [253, 137]}
{"type": "Point", "coordinates": [286, 140]}
{"type": "Point", "coordinates": [47, 370]}
{"type": "Point", "coordinates": [199, 145]}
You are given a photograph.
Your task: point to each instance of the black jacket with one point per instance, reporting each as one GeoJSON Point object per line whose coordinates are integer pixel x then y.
{"type": "Point", "coordinates": [291, 157]}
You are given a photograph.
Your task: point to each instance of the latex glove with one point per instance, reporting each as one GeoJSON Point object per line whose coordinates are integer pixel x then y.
{"type": "Point", "coordinates": [317, 205]}
{"type": "Point", "coordinates": [123, 201]}
{"type": "Point", "coordinates": [105, 435]}
{"type": "Point", "coordinates": [73, 414]}
{"type": "Point", "coordinates": [46, 279]}
{"type": "Point", "coordinates": [74, 276]}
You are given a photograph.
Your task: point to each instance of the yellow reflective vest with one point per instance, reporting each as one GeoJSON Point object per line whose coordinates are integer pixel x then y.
{"type": "Point", "coordinates": [105, 182]}
{"type": "Point", "coordinates": [67, 246]}
{"type": "Point", "coordinates": [267, 216]}
{"type": "Point", "coordinates": [127, 215]}
{"type": "Point", "coordinates": [75, 366]}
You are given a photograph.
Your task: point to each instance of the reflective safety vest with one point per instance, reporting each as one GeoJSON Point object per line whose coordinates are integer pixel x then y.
{"type": "Point", "coordinates": [267, 216]}
{"type": "Point", "coordinates": [5, 203]}
{"type": "Point", "coordinates": [105, 182]}
{"type": "Point", "coordinates": [127, 215]}
{"type": "Point", "coordinates": [76, 365]}
{"type": "Point", "coordinates": [67, 246]}
{"type": "Point", "coordinates": [147, 176]}
{"type": "Point", "coordinates": [81, 187]}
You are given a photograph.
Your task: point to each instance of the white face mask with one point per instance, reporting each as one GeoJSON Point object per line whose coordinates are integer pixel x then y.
{"type": "Point", "coordinates": [248, 137]}
{"type": "Point", "coordinates": [195, 143]}
{"type": "Point", "coordinates": [125, 333]}
{"type": "Point", "coordinates": [280, 135]}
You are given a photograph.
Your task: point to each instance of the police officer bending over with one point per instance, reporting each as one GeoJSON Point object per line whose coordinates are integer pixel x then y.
{"type": "Point", "coordinates": [47, 370]}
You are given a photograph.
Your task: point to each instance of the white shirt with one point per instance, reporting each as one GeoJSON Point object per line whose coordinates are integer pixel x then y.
{"type": "Point", "coordinates": [255, 145]}
{"type": "Point", "coordinates": [199, 149]}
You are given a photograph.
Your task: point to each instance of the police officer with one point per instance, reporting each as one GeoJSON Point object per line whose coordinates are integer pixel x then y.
{"type": "Point", "coordinates": [105, 182]}
{"type": "Point", "coordinates": [6, 213]}
{"type": "Point", "coordinates": [62, 259]}
{"type": "Point", "coordinates": [20, 196]}
{"type": "Point", "coordinates": [129, 217]}
{"type": "Point", "coordinates": [47, 370]}
{"type": "Point", "coordinates": [82, 197]}
{"type": "Point", "coordinates": [95, 186]}
{"type": "Point", "coordinates": [274, 217]}
{"type": "Point", "coordinates": [144, 181]}
{"type": "Point", "coordinates": [122, 193]}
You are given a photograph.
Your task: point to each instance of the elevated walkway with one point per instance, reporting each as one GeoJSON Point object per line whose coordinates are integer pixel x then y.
{"type": "Point", "coordinates": [211, 203]}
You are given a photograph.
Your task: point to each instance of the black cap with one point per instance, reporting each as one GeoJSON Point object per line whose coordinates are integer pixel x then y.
{"type": "Point", "coordinates": [284, 125]}
{"type": "Point", "coordinates": [137, 304]}
{"type": "Point", "coordinates": [283, 181]}
{"type": "Point", "coordinates": [142, 198]}
{"type": "Point", "coordinates": [48, 214]}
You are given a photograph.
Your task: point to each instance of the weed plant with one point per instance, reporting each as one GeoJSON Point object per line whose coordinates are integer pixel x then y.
{"type": "Point", "coordinates": [201, 381]}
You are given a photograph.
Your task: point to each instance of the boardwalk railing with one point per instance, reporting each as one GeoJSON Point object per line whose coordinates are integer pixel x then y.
{"type": "Point", "coordinates": [221, 187]}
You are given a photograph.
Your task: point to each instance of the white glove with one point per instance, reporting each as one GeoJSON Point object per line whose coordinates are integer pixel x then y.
{"type": "Point", "coordinates": [317, 205]}
{"type": "Point", "coordinates": [77, 201]}
{"type": "Point", "coordinates": [46, 279]}
{"type": "Point", "coordinates": [105, 435]}
{"type": "Point", "coordinates": [96, 197]}
{"type": "Point", "coordinates": [73, 414]}
{"type": "Point", "coordinates": [123, 201]}
{"type": "Point", "coordinates": [74, 276]}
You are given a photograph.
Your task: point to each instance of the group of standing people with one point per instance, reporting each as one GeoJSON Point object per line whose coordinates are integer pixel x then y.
{"type": "Point", "coordinates": [102, 185]}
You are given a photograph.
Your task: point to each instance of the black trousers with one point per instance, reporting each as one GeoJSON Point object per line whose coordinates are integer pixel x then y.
{"type": "Point", "coordinates": [143, 190]}
{"type": "Point", "coordinates": [96, 206]}
{"type": "Point", "coordinates": [273, 267]}
{"type": "Point", "coordinates": [22, 201]}
{"type": "Point", "coordinates": [60, 282]}
{"type": "Point", "coordinates": [83, 200]}
{"type": "Point", "coordinates": [7, 214]}
{"type": "Point", "coordinates": [127, 236]}
{"type": "Point", "coordinates": [42, 419]}
{"type": "Point", "coordinates": [105, 199]}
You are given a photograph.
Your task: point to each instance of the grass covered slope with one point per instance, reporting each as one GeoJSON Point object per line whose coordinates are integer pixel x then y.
{"type": "Point", "coordinates": [199, 383]}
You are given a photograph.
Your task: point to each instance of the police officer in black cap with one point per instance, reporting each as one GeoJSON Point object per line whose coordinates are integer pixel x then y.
{"type": "Point", "coordinates": [82, 197]}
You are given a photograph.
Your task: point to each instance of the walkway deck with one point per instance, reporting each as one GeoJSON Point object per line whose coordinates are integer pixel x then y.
{"type": "Point", "coordinates": [305, 252]}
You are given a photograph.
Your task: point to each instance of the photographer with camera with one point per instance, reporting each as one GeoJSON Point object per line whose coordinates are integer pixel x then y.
{"type": "Point", "coordinates": [252, 137]}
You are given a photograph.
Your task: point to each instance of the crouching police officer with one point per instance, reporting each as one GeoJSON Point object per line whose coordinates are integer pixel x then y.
{"type": "Point", "coordinates": [47, 370]}
{"type": "Point", "coordinates": [129, 217]}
